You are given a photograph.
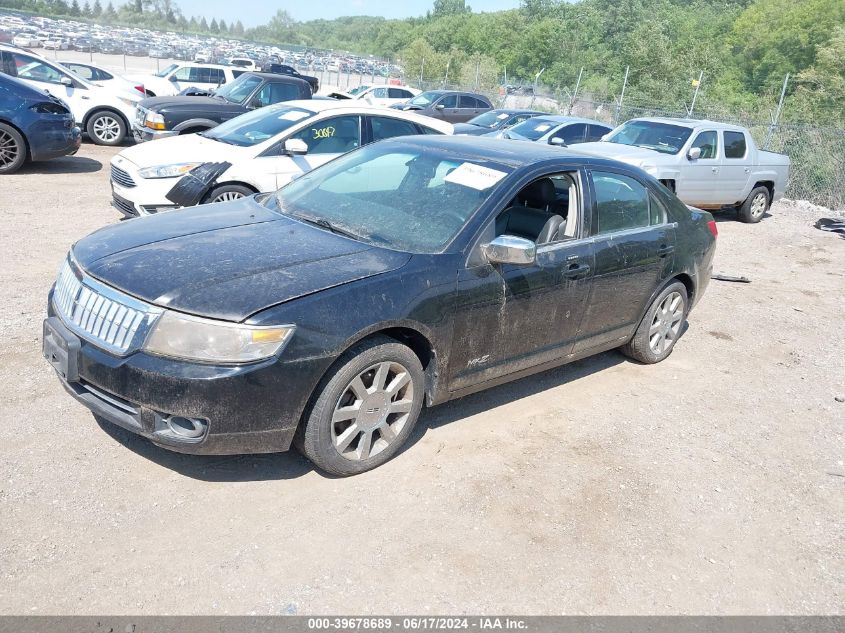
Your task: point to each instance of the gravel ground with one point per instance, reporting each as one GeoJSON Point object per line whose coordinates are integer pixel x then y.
{"type": "Point", "coordinates": [713, 483]}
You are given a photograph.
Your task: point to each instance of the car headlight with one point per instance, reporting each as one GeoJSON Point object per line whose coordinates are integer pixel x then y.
{"type": "Point", "coordinates": [193, 338]}
{"type": "Point", "coordinates": [167, 171]}
{"type": "Point", "coordinates": [154, 121]}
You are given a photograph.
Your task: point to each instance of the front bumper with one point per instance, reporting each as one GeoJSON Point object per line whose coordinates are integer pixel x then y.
{"type": "Point", "coordinates": [143, 134]}
{"type": "Point", "coordinates": [239, 409]}
{"type": "Point", "coordinates": [145, 196]}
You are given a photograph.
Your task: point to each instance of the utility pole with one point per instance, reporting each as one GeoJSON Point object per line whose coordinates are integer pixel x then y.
{"type": "Point", "coordinates": [422, 66]}
{"type": "Point", "coordinates": [477, 68]}
{"type": "Point", "coordinates": [534, 90]}
{"type": "Point", "coordinates": [621, 97]}
{"type": "Point", "coordinates": [446, 78]}
{"type": "Point", "coordinates": [695, 94]}
{"type": "Point", "coordinates": [776, 117]}
{"type": "Point", "coordinates": [575, 94]}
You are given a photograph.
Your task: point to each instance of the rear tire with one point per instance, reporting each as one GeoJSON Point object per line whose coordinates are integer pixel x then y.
{"type": "Point", "coordinates": [106, 128]}
{"type": "Point", "coordinates": [661, 326]}
{"type": "Point", "coordinates": [12, 149]}
{"type": "Point", "coordinates": [755, 206]}
{"type": "Point", "coordinates": [364, 409]}
{"type": "Point", "coordinates": [227, 193]}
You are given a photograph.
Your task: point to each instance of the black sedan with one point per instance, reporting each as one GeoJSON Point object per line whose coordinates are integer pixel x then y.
{"type": "Point", "coordinates": [160, 117]}
{"type": "Point", "coordinates": [406, 273]}
{"type": "Point", "coordinates": [494, 121]}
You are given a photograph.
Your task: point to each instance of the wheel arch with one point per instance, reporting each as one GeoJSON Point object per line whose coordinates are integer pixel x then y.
{"type": "Point", "coordinates": [768, 184]}
{"type": "Point", "coordinates": [110, 109]}
{"type": "Point", "coordinates": [240, 183]}
{"type": "Point", "coordinates": [26, 143]}
{"type": "Point", "coordinates": [194, 124]}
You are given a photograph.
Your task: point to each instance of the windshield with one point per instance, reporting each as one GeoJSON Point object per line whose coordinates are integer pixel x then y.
{"type": "Point", "coordinates": [257, 126]}
{"type": "Point", "coordinates": [359, 90]}
{"type": "Point", "coordinates": [661, 137]}
{"type": "Point", "coordinates": [393, 194]}
{"type": "Point", "coordinates": [166, 71]}
{"type": "Point", "coordinates": [424, 99]}
{"type": "Point", "coordinates": [532, 129]}
{"type": "Point", "coordinates": [489, 119]}
{"type": "Point", "coordinates": [238, 90]}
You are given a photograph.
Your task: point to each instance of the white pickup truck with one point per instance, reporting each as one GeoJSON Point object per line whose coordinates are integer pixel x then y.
{"type": "Point", "coordinates": [708, 165]}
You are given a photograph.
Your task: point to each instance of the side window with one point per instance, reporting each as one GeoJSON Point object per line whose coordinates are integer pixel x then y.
{"type": "Point", "coordinates": [237, 73]}
{"type": "Point", "coordinates": [573, 134]}
{"type": "Point", "coordinates": [622, 203]}
{"type": "Point", "coordinates": [595, 132]}
{"type": "Point", "coordinates": [734, 145]}
{"type": "Point", "coordinates": [332, 136]}
{"type": "Point", "coordinates": [30, 68]}
{"type": "Point", "coordinates": [517, 119]}
{"type": "Point", "coordinates": [216, 76]}
{"type": "Point", "coordinates": [449, 101]}
{"type": "Point", "coordinates": [468, 102]}
{"type": "Point", "coordinates": [102, 75]}
{"type": "Point", "coordinates": [276, 93]}
{"type": "Point", "coordinates": [398, 93]}
{"type": "Point", "coordinates": [387, 127]}
{"type": "Point", "coordinates": [183, 74]}
{"type": "Point", "coordinates": [380, 93]}
{"type": "Point", "coordinates": [708, 143]}
{"type": "Point", "coordinates": [657, 212]}
{"type": "Point", "coordinates": [83, 71]}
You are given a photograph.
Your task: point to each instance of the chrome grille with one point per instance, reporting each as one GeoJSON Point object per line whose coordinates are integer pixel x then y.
{"type": "Point", "coordinates": [122, 177]}
{"type": "Point", "coordinates": [100, 314]}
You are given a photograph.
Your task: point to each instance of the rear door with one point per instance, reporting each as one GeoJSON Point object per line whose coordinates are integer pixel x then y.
{"type": "Point", "coordinates": [468, 107]}
{"type": "Point", "coordinates": [383, 127]}
{"type": "Point", "coordinates": [571, 134]}
{"type": "Point", "coordinates": [595, 132]}
{"type": "Point", "coordinates": [735, 171]}
{"type": "Point", "coordinates": [699, 185]}
{"type": "Point", "coordinates": [634, 250]}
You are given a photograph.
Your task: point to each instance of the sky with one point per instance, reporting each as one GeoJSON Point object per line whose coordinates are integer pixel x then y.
{"type": "Point", "coordinates": [255, 12]}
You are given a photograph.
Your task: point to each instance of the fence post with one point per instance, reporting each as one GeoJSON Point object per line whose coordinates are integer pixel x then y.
{"type": "Point", "coordinates": [575, 94]}
{"type": "Point", "coordinates": [477, 68]}
{"type": "Point", "coordinates": [534, 89]}
{"type": "Point", "coordinates": [446, 78]}
{"type": "Point", "coordinates": [621, 97]}
{"type": "Point", "coordinates": [776, 117]}
{"type": "Point", "coordinates": [422, 67]}
{"type": "Point", "coordinates": [695, 94]}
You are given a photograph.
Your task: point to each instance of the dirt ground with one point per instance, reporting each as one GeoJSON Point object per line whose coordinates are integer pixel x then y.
{"type": "Point", "coordinates": [712, 483]}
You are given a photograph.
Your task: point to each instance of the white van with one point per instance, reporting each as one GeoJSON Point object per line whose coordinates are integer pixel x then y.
{"type": "Point", "coordinates": [104, 113]}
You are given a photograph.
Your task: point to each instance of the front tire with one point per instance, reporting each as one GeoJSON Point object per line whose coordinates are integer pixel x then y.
{"type": "Point", "coordinates": [106, 128]}
{"type": "Point", "coordinates": [12, 149]}
{"type": "Point", "coordinates": [661, 326]}
{"type": "Point", "coordinates": [755, 206]}
{"type": "Point", "coordinates": [365, 408]}
{"type": "Point", "coordinates": [227, 193]}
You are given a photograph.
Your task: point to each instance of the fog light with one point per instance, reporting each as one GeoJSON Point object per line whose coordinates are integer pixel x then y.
{"type": "Point", "coordinates": [179, 428]}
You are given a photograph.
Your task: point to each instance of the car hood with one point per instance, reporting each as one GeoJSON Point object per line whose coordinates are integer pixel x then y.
{"type": "Point", "coordinates": [626, 153]}
{"type": "Point", "coordinates": [198, 104]}
{"type": "Point", "coordinates": [472, 130]}
{"type": "Point", "coordinates": [181, 149]}
{"type": "Point", "coordinates": [227, 260]}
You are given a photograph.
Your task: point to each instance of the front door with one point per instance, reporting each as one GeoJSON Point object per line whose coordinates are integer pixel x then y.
{"type": "Point", "coordinates": [447, 109]}
{"type": "Point", "coordinates": [699, 185]}
{"type": "Point", "coordinates": [634, 251]}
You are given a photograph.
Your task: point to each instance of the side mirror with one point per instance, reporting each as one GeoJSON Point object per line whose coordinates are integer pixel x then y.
{"type": "Point", "coordinates": [172, 78]}
{"type": "Point", "coordinates": [694, 153]}
{"type": "Point", "coordinates": [295, 147]}
{"type": "Point", "coordinates": [66, 81]}
{"type": "Point", "coordinates": [439, 106]}
{"type": "Point", "coordinates": [508, 249]}
{"type": "Point", "coordinates": [556, 140]}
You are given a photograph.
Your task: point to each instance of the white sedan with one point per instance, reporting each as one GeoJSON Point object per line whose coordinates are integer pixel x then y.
{"type": "Point", "coordinates": [102, 76]}
{"type": "Point", "coordinates": [384, 96]}
{"type": "Point", "coordinates": [267, 148]}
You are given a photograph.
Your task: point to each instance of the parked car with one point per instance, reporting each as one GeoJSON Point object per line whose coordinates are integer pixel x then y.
{"type": "Point", "coordinates": [410, 272]}
{"type": "Point", "coordinates": [707, 164]}
{"type": "Point", "coordinates": [284, 69]}
{"type": "Point", "coordinates": [34, 126]}
{"type": "Point", "coordinates": [449, 105]}
{"type": "Point", "coordinates": [385, 96]}
{"type": "Point", "coordinates": [96, 74]}
{"type": "Point", "coordinates": [176, 77]}
{"type": "Point", "coordinates": [24, 40]}
{"type": "Point", "coordinates": [104, 113]}
{"type": "Point", "coordinates": [556, 130]}
{"type": "Point", "coordinates": [265, 149]}
{"type": "Point", "coordinates": [56, 44]}
{"type": "Point", "coordinates": [160, 117]}
{"type": "Point", "coordinates": [494, 121]}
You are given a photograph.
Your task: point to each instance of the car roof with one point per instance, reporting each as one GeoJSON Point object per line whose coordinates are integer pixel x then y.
{"type": "Point", "coordinates": [508, 152]}
{"type": "Point", "coordinates": [559, 118]}
{"type": "Point", "coordinates": [287, 78]}
{"type": "Point", "coordinates": [692, 123]}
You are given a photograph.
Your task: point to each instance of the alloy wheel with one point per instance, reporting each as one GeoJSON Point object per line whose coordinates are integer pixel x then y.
{"type": "Point", "coordinates": [9, 149]}
{"type": "Point", "coordinates": [758, 205]}
{"type": "Point", "coordinates": [107, 129]}
{"type": "Point", "coordinates": [228, 195]}
{"type": "Point", "coordinates": [372, 411]}
{"type": "Point", "coordinates": [667, 323]}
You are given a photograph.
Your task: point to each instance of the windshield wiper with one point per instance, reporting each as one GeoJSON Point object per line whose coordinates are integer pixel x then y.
{"type": "Point", "coordinates": [323, 223]}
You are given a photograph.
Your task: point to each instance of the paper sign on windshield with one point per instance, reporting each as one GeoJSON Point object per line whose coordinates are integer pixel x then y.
{"type": "Point", "coordinates": [293, 115]}
{"type": "Point", "coordinates": [504, 115]}
{"type": "Point", "coordinates": [542, 128]}
{"type": "Point", "coordinates": [474, 176]}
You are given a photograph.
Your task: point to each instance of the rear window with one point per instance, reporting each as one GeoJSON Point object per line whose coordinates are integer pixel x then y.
{"type": "Point", "coordinates": [734, 145]}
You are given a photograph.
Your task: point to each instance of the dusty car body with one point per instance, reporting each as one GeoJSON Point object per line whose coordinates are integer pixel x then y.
{"type": "Point", "coordinates": [409, 272]}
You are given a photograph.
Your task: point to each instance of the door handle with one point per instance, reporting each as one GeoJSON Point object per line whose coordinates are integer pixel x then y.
{"type": "Point", "coordinates": [748, 170]}
{"type": "Point", "coordinates": [665, 249]}
{"type": "Point", "coordinates": [715, 170]}
{"type": "Point", "coordinates": [576, 271]}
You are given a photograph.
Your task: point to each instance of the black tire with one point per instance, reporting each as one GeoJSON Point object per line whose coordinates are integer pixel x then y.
{"type": "Point", "coordinates": [105, 127]}
{"type": "Point", "coordinates": [12, 149]}
{"type": "Point", "coordinates": [318, 436]}
{"type": "Point", "coordinates": [227, 192]}
{"type": "Point", "coordinates": [641, 346]}
{"type": "Point", "coordinates": [755, 206]}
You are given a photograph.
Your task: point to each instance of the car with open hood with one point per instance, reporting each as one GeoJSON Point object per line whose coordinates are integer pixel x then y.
{"type": "Point", "coordinates": [404, 274]}
{"type": "Point", "coordinates": [257, 151]}
{"type": "Point", "coordinates": [495, 121]}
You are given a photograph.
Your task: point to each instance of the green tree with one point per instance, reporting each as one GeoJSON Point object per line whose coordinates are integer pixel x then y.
{"type": "Point", "coordinates": [110, 14]}
{"type": "Point", "coordinates": [97, 9]}
{"type": "Point", "coordinates": [239, 28]}
{"type": "Point", "coordinates": [86, 10]}
{"type": "Point", "coordinates": [222, 27]}
{"type": "Point", "coordinates": [214, 27]}
{"type": "Point", "coordinates": [203, 26]}
{"type": "Point", "coordinates": [75, 11]}
{"type": "Point", "coordinates": [449, 7]}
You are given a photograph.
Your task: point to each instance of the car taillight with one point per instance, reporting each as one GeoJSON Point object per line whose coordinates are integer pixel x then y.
{"type": "Point", "coordinates": [48, 108]}
{"type": "Point", "coordinates": [713, 229]}
{"type": "Point", "coordinates": [141, 90]}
